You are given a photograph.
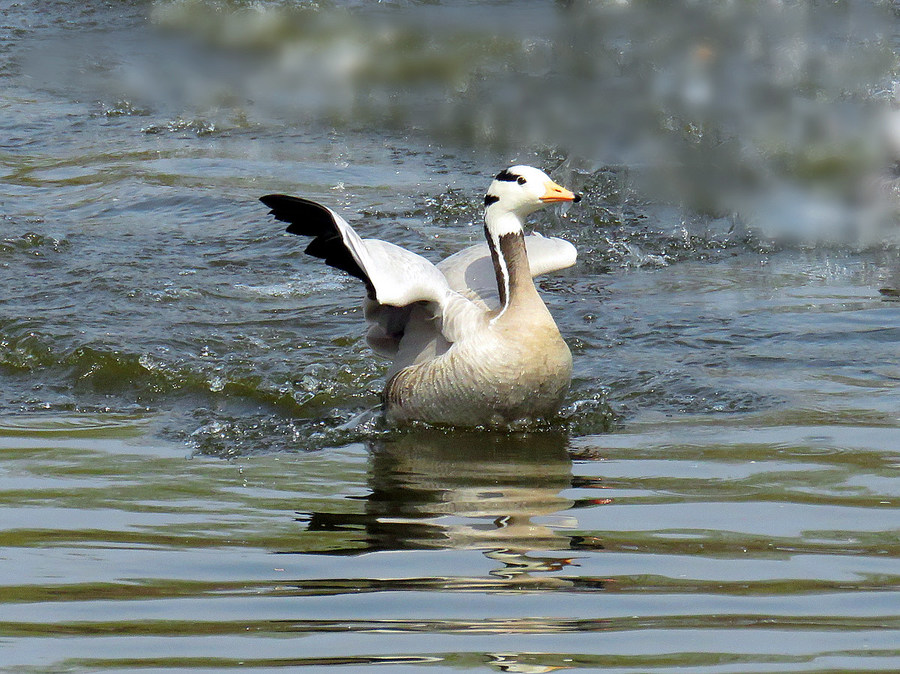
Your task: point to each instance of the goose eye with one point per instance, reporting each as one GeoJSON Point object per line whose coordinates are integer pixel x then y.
{"type": "Point", "coordinates": [521, 180]}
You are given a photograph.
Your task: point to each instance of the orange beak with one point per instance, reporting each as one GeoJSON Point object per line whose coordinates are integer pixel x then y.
{"type": "Point", "coordinates": [554, 193]}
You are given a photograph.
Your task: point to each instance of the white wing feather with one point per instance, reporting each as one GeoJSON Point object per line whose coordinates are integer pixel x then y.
{"type": "Point", "coordinates": [470, 272]}
{"type": "Point", "coordinates": [400, 278]}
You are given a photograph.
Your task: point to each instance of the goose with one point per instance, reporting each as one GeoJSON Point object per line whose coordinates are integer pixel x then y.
{"type": "Point", "coordinates": [470, 339]}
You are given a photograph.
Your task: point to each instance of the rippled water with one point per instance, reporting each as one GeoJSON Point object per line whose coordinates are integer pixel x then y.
{"type": "Point", "coordinates": [192, 473]}
{"type": "Point", "coordinates": [762, 545]}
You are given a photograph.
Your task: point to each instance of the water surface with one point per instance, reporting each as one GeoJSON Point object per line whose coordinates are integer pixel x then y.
{"type": "Point", "coordinates": [192, 476]}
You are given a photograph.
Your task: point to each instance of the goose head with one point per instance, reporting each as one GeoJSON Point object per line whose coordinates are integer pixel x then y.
{"type": "Point", "coordinates": [519, 191]}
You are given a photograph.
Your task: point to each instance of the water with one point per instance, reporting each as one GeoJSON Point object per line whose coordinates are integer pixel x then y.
{"type": "Point", "coordinates": [192, 476]}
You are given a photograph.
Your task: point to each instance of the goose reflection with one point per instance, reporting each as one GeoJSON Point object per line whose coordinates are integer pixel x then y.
{"type": "Point", "coordinates": [503, 494]}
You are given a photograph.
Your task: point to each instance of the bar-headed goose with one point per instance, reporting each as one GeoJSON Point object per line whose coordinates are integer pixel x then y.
{"type": "Point", "coordinates": [471, 341]}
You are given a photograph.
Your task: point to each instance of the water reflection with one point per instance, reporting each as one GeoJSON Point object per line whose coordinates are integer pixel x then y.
{"type": "Point", "coordinates": [504, 494]}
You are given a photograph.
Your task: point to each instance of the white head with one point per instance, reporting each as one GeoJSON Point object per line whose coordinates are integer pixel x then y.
{"type": "Point", "coordinates": [515, 193]}
{"type": "Point", "coordinates": [519, 191]}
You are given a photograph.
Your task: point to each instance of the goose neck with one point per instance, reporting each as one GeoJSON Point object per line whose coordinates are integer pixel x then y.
{"type": "Point", "coordinates": [506, 241]}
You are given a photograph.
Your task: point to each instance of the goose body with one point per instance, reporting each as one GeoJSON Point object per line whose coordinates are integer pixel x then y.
{"type": "Point", "coordinates": [471, 341]}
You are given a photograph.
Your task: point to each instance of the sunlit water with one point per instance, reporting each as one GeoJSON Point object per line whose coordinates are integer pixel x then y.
{"type": "Point", "coordinates": [192, 475]}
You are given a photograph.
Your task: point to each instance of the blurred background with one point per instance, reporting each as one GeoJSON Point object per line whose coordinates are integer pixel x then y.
{"type": "Point", "coordinates": [779, 115]}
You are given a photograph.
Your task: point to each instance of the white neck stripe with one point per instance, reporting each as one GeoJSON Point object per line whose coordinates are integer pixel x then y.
{"type": "Point", "coordinates": [499, 222]}
{"type": "Point", "coordinates": [504, 269]}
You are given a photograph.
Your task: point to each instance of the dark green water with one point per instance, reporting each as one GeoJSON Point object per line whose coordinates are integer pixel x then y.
{"type": "Point", "coordinates": [191, 475]}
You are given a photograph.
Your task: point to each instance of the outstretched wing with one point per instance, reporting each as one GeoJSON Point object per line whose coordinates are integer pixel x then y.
{"type": "Point", "coordinates": [392, 275]}
{"type": "Point", "coordinates": [395, 278]}
{"type": "Point", "coordinates": [470, 272]}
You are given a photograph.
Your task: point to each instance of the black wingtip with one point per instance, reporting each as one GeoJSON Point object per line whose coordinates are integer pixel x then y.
{"type": "Point", "coordinates": [304, 217]}
{"type": "Point", "coordinates": [271, 200]}
{"type": "Point", "coordinates": [308, 218]}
